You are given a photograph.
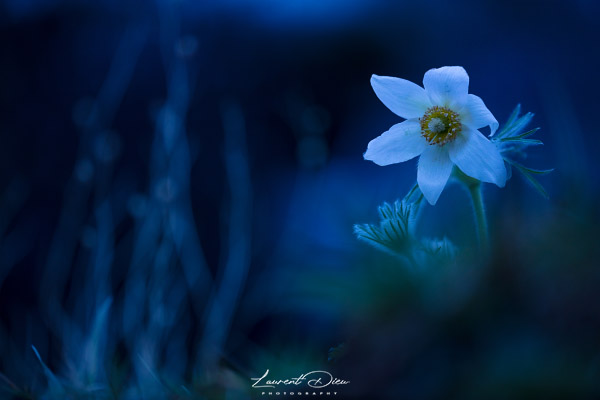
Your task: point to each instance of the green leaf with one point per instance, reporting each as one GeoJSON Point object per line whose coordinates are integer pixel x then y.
{"type": "Point", "coordinates": [514, 125]}
{"type": "Point", "coordinates": [414, 195]}
{"type": "Point", "coordinates": [520, 136]}
{"type": "Point", "coordinates": [511, 119]}
{"type": "Point", "coordinates": [393, 232]}
{"type": "Point", "coordinates": [524, 142]}
{"type": "Point", "coordinates": [527, 173]}
{"type": "Point", "coordinates": [528, 133]}
{"type": "Point", "coordinates": [527, 169]}
{"type": "Point", "coordinates": [536, 185]}
{"type": "Point", "coordinates": [368, 232]}
{"type": "Point", "coordinates": [520, 124]}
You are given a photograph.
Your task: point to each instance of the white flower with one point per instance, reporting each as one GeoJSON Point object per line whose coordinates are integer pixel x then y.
{"type": "Point", "coordinates": [441, 126]}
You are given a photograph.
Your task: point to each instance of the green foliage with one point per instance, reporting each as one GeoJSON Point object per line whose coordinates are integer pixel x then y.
{"type": "Point", "coordinates": [528, 175]}
{"type": "Point", "coordinates": [395, 233]}
{"type": "Point", "coordinates": [513, 142]}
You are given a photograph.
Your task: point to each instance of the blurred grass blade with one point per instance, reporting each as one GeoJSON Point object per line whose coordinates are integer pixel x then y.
{"type": "Point", "coordinates": [53, 382]}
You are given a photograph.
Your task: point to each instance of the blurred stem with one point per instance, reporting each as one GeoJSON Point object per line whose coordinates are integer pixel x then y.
{"type": "Point", "coordinates": [480, 217]}
{"type": "Point", "coordinates": [474, 188]}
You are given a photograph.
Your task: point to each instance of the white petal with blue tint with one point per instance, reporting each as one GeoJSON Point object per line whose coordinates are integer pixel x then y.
{"type": "Point", "coordinates": [477, 157]}
{"type": "Point", "coordinates": [447, 86]}
{"type": "Point", "coordinates": [476, 114]}
{"type": "Point", "coordinates": [441, 126]}
{"type": "Point", "coordinates": [404, 98]}
{"type": "Point", "coordinates": [433, 172]}
{"type": "Point", "coordinates": [401, 143]}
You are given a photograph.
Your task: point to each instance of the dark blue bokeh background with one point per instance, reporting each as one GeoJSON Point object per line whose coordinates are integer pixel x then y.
{"type": "Point", "coordinates": [179, 181]}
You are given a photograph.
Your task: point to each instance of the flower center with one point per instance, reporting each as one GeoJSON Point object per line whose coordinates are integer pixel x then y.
{"type": "Point", "coordinates": [440, 125]}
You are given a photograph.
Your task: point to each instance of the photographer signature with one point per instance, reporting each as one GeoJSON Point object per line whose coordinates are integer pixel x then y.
{"type": "Point", "coordinates": [314, 379]}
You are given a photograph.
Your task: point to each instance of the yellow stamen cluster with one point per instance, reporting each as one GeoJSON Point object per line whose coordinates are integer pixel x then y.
{"type": "Point", "coordinates": [440, 125]}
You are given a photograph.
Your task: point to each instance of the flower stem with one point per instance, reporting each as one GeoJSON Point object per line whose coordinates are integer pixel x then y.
{"type": "Point", "coordinates": [480, 217]}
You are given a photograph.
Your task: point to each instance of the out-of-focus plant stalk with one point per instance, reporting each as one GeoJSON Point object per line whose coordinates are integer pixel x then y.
{"type": "Point", "coordinates": [235, 270]}
{"type": "Point", "coordinates": [480, 217]}
{"type": "Point", "coordinates": [473, 186]}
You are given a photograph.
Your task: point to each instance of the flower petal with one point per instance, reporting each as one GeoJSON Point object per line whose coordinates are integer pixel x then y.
{"type": "Point", "coordinates": [447, 86]}
{"type": "Point", "coordinates": [477, 157]}
{"type": "Point", "coordinates": [404, 98]}
{"type": "Point", "coordinates": [433, 173]}
{"type": "Point", "coordinates": [476, 114]}
{"type": "Point", "coordinates": [400, 143]}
